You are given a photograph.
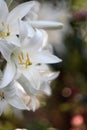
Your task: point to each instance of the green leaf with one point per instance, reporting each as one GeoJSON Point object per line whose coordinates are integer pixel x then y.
{"type": "Point", "coordinates": [79, 4]}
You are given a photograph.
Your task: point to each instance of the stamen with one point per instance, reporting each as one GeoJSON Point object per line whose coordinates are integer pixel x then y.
{"type": "Point", "coordinates": [3, 24]}
{"type": "Point", "coordinates": [8, 30]}
{"type": "Point", "coordinates": [26, 64]}
{"type": "Point", "coordinates": [24, 60]}
{"type": "Point", "coordinates": [28, 59]}
{"type": "Point", "coordinates": [3, 32]}
{"type": "Point", "coordinates": [22, 55]}
{"type": "Point", "coordinates": [2, 95]}
{"type": "Point", "coordinates": [20, 60]}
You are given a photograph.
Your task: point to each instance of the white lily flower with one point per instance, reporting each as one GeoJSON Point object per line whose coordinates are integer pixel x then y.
{"type": "Point", "coordinates": [47, 76]}
{"type": "Point", "coordinates": [62, 13]}
{"type": "Point", "coordinates": [27, 60]}
{"type": "Point", "coordinates": [31, 101]}
{"type": "Point", "coordinates": [24, 50]}
{"type": "Point", "coordinates": [29, 64]}
{"type": "Point", "coordinates": [32, 94]}
{"type": "Point", "coordinates": [9, 96]}
{"type": "Point", "coordinates": [9, 28]}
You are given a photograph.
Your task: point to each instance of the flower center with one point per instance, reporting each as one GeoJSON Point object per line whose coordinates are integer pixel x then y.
{"type": "Point", "coordinates": [2, 95]}
{"type": "Point", "coordinates": [24, 59]}
{"type": "Point", "coordinates": [4, 31]}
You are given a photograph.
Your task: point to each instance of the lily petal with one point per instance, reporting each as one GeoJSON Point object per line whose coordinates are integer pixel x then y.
{"type": "Point", "coordinates": [46, 24]}
{"type": "Point", "coordinates": [17, 103]}
{"type": "Point", "coordinates": [51, 76]}
{"type": "Point", "coordinates": [6, 49]}
{"type": "Point", "coordinates": [3, 11]}
{"type": "Point", "coordinates": [33, 76]}
{"type": "Point", "coordinates": [14, 40]}
{"type": "Point", "coordinates": [19, 12]}
{"type": "Point", "coordinates": [44, 57]}
{"type": "Point", "coordinates": [9, 74]}
{"type": "Point", "coordinates": [37, 41]}
{"type": "Point", "coordinates": [10, 90]}
{"type": "Point", "coordinates": [45, 39]}
{"type": "Point", "coordinates": [45, 88]}
{"type": "Point", "coordinates": [24, 83]}
{"type": "Point", "coordinates": [25, 30]}
{"type": "Point", "coordinates": [32, 14]}
{"type": "Point", "coordinates": [3, 105]}
{"type": "Point", "coordinates": [33, 103]}
{"type": "Point", "coordinates": [27, 86]}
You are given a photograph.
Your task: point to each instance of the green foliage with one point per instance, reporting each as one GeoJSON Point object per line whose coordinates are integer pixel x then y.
{"type": "Point", "coordinates": [38, 125]}
{"type": "Point", "coordinates": [6, 126]}
{"type": "Point", "coordinates": [79, 4]}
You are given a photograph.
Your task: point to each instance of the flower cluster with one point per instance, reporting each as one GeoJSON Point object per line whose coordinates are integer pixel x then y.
{"type": "Point", "coordinates": [24, 56]}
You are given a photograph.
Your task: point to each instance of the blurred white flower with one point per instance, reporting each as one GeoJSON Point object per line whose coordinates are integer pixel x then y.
{"type": "Point", "coordinates": [32, 16]}
{"type": "Point", "coordinates": [62, 14]}
{"type": "Point", "coordinates": [8, 95]}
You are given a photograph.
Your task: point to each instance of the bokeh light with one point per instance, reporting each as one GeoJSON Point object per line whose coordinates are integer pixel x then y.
{"type": "Point", "coordinates": [77, 120]}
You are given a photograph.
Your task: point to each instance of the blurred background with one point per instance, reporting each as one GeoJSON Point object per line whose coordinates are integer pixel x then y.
{"type": "Point", "coordinates": [66, 108]}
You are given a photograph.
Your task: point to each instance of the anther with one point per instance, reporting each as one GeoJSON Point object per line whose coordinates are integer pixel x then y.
{"type": "Point", "coordinates": [2, 95]}
{"type": "Point", "coordinates": [3, 24]}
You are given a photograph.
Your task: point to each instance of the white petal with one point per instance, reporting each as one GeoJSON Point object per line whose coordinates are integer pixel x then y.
{"type": "Point", "coordinates": [43, 68]}
{"type": "Point", "coordinates": [3, 11]}
{"type": "Point", "coordinates": [25, 30]}
{"type": "Point", "coordinates": [45, 57]}
{"type": "Point", "coordinates": [10, 90]}
{"type": "Point", "coordinates": [46, 24]}
{"type": "Point", "coordinates": [33, 76]}
{"type": "Point", "coordinates": [13, 40]}
{"type": "Point", "coordinates": [3, 105]}
{"type": "Point", "coordinates": [33, 103]}
{"type": "Point", "coordinates": [36, 42]}
{"type": "Point", "coordinates": [45, 88]}
{"type": "Point", "coordinates": [6, 49]}
{"type": "Point", "coordinates": [27, 86]}
{"type": "Point", "coordinates": [19, 90]}
{"type": "Point", "coordinates": [17, 103]}
{"type": "Point", "coordinates": [14, 28]}
{"type": "Point", "coordinates": [45, 39]}
{"type": "Point", "coordinates": [51, 76]}
{"type": "Point", "coordinates": [32, 14]}
{"type": "Point", "coordinates": [19, 12]}
{"type": "Point", "coordinates": [9, 74]}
